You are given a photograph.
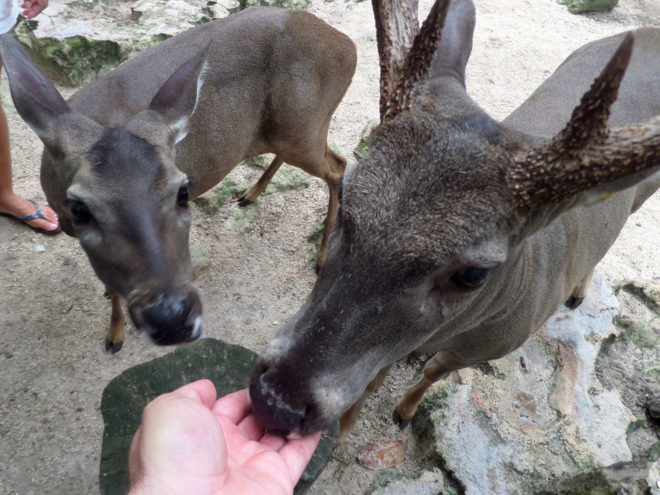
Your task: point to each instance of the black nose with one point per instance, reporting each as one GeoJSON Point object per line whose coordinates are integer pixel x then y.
{"type": "Point", "coordinates": [272, 410]}
{"type": "Point", "coordinates": [169, 318]}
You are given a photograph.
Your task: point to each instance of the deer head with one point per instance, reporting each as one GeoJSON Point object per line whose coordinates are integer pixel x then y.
{"type": "Point", "coordinates": [433, 221]}
{"type": "Point", "coordinates": [119, 192]}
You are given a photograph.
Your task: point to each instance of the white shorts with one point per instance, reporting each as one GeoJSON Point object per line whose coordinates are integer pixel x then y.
{"type": "Point", "coordinates": [9, 12]}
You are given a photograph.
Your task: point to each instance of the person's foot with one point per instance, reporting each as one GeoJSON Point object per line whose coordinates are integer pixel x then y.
{"type": "Point", "coordinates": [41, 218]}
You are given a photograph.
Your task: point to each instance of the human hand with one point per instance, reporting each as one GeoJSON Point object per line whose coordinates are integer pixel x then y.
{"type": "Point", "coordinates": [190, 443]}
{"type": "Point", "coordinates": [32, 8]}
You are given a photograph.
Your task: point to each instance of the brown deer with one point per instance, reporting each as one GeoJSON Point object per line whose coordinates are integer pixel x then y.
{"type": "Point", "coordinates": [458, 235]}
{"type": "Point", "coordinates": [125, 154]}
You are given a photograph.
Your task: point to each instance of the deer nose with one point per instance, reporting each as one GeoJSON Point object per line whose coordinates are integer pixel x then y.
{"type": "Point", "coordinates": [169, 318]}
{"type": "Point", "coordinates": [271, 409]}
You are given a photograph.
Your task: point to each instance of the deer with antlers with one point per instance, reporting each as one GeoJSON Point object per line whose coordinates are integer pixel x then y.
{"type": "Point", "coordinates": [458, 235]}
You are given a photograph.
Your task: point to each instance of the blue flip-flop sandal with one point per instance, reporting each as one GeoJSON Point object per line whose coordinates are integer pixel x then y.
{"type": "Point", "coordinates": [39, 214]}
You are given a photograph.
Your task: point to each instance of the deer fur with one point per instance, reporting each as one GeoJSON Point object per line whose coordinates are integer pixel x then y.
{"type": "Point", "coordinates": [125, 154]}
{"type": "Point", "coordinates": [458, 235]}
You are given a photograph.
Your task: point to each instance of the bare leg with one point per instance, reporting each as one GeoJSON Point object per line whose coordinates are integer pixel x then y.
{"type": "Point", "coordinates": [349, 417]}
{"type": "Point", "coordinates": [252, 194]}
{"type": "Point", "coordinates": [10, 203]}
{"type": "Point", "coordinates": [580, 292]}
{"type": "Point", "coordinates": [115, 337]}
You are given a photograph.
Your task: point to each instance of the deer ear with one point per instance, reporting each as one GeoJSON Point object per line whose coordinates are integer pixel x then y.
{"type": "Point", "coordinates": [176, 100]}
{"type": "Point", "coordinates": [587, 161]}
{"type": "Point", "coordinates": [35, 98]}
{"type": "Point", "coordinates": [455, 46]}
{"type": "Point", "coordinates": [40, 104]}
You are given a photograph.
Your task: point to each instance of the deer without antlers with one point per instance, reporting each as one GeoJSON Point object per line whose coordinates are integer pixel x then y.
{"type": "Point", "coordinates": [125, 154]}
{"type": "Point", "coordinates": [458, 235]}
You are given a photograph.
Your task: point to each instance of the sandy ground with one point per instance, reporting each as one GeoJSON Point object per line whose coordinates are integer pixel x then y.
{"type": "Point", "coordinates": [252, 275]}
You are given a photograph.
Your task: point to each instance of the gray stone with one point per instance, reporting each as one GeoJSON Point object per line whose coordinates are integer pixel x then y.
{"type": "Point", "coordinates": [625, 478]}
{"type": "Point", "coordinates": [580, 6]}
{"type": "Point", "coordinates": [287, 4]}
{"type": "Point", "coordinates": [538, 414]}
{"type": "Point", "coordinates": [647, 291]}
{"type": "Point", "coordinates": [77, 41]}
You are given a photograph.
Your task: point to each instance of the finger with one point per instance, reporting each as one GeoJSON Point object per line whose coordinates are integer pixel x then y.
{"type": "Point", "coordinates": [297, 453]}
{"type": "Point", "coordinates": [234, 406]}
{"type": "Point", "coordinates": [250, 428]}
{"type": "Point", "coordinates": [201, 390]}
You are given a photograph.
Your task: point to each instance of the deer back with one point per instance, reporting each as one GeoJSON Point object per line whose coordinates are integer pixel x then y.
{"type": "Point", "coordinates": [549, 108]}
{"type": "Point", "coordinates": [273, 77]}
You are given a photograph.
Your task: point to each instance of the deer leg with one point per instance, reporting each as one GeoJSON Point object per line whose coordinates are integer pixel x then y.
{"type": "Point", "coordinates": [435, 368]}
{"type": "Point", "coordinates": [252, 194]}
{"type": "Point", "coordinates": [349, 417]}
{"type": "Point", "coordinates": [335, 166]}
{"type": "Point", "coordinates": [580, 291]}
{"type": "Point", "coordinates": [115, 338]}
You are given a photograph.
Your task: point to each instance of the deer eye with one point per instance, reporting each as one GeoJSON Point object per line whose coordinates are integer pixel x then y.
{"type": "Point", "coordinates": [470, 278]}
{"type": "Point", "coordinates": [79, 212]}
{"type": "Point", "coordinates": [183, 196]}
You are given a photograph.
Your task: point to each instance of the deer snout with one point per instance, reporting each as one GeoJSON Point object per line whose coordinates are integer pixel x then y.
{"type": "Point", "coordinates": [276, 412]}
{"type": "Point", "coordinates": [168, 316]}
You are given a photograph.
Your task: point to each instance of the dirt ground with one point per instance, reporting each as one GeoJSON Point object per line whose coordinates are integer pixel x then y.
{"type": "Point", "coordinates": [253, 270]}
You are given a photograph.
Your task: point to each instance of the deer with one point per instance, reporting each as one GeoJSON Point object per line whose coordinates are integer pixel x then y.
{"type": "Point", "coordinates": [457, 235]}
{"type": "Point", "coordinates": [125, 154]}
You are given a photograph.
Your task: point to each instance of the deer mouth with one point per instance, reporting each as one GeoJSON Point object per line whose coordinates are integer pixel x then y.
{"type": "Point", "coordinates": [169, 317]}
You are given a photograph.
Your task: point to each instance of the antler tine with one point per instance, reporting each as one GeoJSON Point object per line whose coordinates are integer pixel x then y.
{"type": "Point", "coordinates": [577, 157]}
{"type": "Point", "coordinates": [396, 28]}
{"type": "Point", "coordinates": [416, 64]}
{"type": "Point", "coordinates": [589, 119]}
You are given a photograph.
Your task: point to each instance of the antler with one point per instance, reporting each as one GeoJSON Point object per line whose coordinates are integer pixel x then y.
{"type": "Point", "coordinates": [586, 153]}
{"type": "Point", "coordinates": [396, 27]}
{"type": "Point", "coordinates": [404, 62]}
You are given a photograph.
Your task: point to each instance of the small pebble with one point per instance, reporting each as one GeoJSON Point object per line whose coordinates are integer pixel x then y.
{"type": "Point", "coordinates": [40, 248]}
{"type": "Point", "coordinates": [381, 455]}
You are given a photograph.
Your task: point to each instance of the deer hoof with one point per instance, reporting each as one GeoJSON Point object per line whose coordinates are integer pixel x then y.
{"type": "Point", "coordinates": [243, 201]}
{"type": "Point", "coordinates": [113, 347]}
{"type": "Point", "coordinates": [573, 302]}
{"type": "Point", "coordinates": [398, 420]}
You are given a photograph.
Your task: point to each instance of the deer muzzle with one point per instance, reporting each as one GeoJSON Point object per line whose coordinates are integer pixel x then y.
{"type": "Point", "coordinates": [273, 411]}
{"type": "Point", "coordinates": [168, 315]}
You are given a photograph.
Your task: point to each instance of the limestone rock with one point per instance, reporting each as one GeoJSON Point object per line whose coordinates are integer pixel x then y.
{"type": "Point", "coordinates": [626, 478]}
{"type": "Point", "coordinates": [579, 6]}
{"type": "Point", "coordinates": [287, 4]}
{"type": "Point", "coordinates": [77, 41]}
{"type": "Point", "coordinates": [647, 291]}
{"type": "Point", "coordinates": [538, 414]}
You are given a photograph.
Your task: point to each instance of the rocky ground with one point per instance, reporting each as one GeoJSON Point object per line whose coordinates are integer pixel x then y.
{"type": "Point", "coordinates": [253, 270]}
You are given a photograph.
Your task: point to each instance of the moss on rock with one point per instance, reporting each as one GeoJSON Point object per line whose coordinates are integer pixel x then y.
{"type": "Point", "coordinates": [580, 6]}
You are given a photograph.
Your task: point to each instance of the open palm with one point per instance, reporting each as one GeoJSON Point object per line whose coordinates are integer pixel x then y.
{"type": "Point", "coordinates": [191, 443]}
